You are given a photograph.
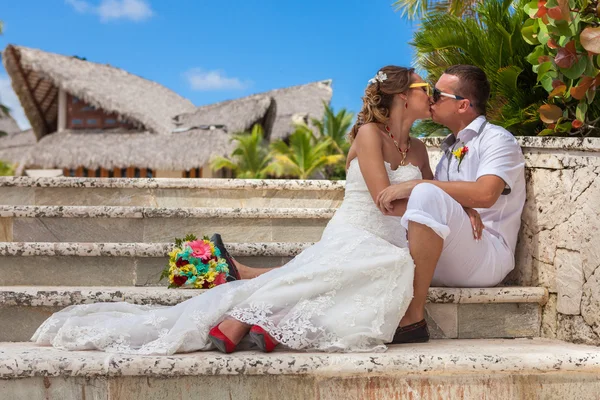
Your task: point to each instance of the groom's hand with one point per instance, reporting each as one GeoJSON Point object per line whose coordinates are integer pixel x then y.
{"type": "Point", "coordinates": [394, 192]}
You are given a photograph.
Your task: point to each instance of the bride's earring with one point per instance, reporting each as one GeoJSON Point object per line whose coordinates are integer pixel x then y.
{"type": "Point", "coordinates": [406, 105]}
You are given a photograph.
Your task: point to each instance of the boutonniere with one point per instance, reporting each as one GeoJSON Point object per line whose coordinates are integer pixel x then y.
{"type": "Point", "coordinates": [459, 154]}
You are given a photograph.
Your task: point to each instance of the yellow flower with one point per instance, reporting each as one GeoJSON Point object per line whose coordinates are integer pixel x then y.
{"type": "Point", "coordinates": [211, 275]}
{"type": "Point", "coordinates": [173, 254]}
{"type": "Point", "coordinates": [188, 268]}
{"type": "Point", "coordinates": [457, 153]}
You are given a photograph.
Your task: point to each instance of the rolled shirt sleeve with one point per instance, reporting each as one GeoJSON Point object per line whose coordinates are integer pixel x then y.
{"type": "Point", "coordinates": [502, 156]}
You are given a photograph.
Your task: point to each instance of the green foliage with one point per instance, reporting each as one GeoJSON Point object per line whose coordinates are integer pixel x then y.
{"type": "Point", "coordinates": [301, 156]}
{"type": "Point", "coordinates": [491, 41]}
{"type": "Point", "coordinates": [566, 36]}
{"type": "Point", "coordinates": [250, 159]}
{"type": "Point", "coordinates": [416, 9]}
{"type": "Point", "coordinates": [7, 169]}
{"type": "Point", "coordinates": [334, 126]}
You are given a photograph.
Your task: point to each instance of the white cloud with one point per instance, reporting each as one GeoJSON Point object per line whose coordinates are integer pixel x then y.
{"type": "Point", "coordinates": [9, 98]}
{"type": "Point", "coordinates": [200, 79]}
{"type": "Point", "coordinates": [108, 10]}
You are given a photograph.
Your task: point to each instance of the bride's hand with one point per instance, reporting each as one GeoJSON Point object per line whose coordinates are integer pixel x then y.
{"type": "Point", "coordinates": [476, 222]}
{"type": "Point", "coordinates": [394, 192]}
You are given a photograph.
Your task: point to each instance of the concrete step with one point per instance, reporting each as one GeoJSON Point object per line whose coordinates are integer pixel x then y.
{"type": "Point", "coordinates": [115, 264]}
{"type": "Point", "coordinates": [170, 192]}
{"type": "Point", "coordinates": [441, 369]}
{"type": "Point", "coordinates": [452, 312]}
{"type": "Point", "coordinates": [159, 224]}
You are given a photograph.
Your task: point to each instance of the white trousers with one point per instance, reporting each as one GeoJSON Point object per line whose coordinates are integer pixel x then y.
{"type": "Point", "coordinates": [464, 262]}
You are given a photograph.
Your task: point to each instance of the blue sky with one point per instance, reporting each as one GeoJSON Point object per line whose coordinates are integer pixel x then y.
{"type": "Point", "coordinates": [209, 51]}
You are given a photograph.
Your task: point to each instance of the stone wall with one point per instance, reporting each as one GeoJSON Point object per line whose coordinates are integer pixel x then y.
{"type": "Point", "coordinates": [559, 241]}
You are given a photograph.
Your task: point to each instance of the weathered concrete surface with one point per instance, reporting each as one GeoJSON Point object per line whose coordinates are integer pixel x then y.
{"type": "Point", "coordinates": [448, 369]}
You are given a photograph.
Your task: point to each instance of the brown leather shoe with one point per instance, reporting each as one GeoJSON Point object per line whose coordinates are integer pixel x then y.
{"type": "Point", "coordinates": [413, 333]}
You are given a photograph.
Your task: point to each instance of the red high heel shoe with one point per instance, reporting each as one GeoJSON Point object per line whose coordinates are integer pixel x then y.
{"type": "Point", "coordinates": [262, 339]}
{"type": "Point", "coordinates": [221, 342]}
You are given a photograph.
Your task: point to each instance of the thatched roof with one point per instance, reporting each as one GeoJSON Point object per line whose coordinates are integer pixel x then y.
{"type": "Point", "coordinates": [8, 123]}
{"type": "Point", "coordinates": [36, 76]}
{"type": "Point", "coordinates": [277, 110]}
{"type": "Point", "coordinates": [15, 146]}
{"type": "Point", "coordinates": [237, 115]}
{"type": "Point", "coordinates": [121, 149]}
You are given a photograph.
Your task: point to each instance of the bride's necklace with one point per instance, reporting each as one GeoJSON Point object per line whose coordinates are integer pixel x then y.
{"type": "Point", "coordinates": [403, 162]}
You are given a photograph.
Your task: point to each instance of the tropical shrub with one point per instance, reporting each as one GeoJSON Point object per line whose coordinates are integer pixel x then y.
{"type": "Point", "coordinates": [566, 35]}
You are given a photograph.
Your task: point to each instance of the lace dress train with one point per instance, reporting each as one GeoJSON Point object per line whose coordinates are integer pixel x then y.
{"type": "Point", "coordinates": [347, 292]}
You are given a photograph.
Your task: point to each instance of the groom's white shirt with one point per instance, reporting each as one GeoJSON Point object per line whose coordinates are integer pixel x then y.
{"type": "Point", "coordinates": [494, 151]}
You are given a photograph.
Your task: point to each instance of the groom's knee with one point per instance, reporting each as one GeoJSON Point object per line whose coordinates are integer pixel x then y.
{"type": "Point", "coordinates": [426, 197]}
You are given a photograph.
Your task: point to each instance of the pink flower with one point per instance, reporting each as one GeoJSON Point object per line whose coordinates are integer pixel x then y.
{"type": "Point", "coordinates": [200, 249]}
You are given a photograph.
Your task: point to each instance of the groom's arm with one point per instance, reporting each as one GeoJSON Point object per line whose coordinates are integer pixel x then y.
{"type": "Point", "coordinates": [482, 193]}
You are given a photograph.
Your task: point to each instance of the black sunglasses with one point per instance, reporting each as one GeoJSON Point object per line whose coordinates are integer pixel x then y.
{"type": "Point", "coordinates": [437, 95]}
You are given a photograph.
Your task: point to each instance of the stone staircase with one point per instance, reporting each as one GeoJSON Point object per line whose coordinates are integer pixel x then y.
{"type": "Point", "coordinates": [83, 240]}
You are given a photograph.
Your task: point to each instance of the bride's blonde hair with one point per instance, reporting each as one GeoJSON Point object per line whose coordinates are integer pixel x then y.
{"type": "Point", "coordinates": [379, 94]}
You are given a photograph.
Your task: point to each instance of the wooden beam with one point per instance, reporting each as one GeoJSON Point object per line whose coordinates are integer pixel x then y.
{"type": "Point", "coordinates": [37, 84]}
{"type": "Point", "coordinates": [28, 86]}
{"type": "Point", "coordinates": [51, 102]}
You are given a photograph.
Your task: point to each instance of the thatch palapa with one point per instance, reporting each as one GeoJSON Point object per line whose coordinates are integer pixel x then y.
{"type": "Point", "coordinates": [122, 149]}
{"type": "Point", "coordinates": [237, 115]}
{"type": "Point", "coordinates": [37, 75]}
{"type": "Point", "coordinates": [15, 146]}
{"type": "Point", "coordinates": [277, 110]}
{"type": "Point", "coordinates": [7, 123]}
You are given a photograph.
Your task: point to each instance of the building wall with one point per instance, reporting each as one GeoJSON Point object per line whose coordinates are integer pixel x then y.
{"type": "Point", "coordinates": [81, 115]}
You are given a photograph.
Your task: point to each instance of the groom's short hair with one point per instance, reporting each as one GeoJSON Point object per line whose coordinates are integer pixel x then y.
{"type": "Point", "coordinates": [473, 85]}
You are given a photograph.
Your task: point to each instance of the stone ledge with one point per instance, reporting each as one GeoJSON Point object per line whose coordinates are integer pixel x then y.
{"type": "Point", "coordinates": [174, 183]}
{"type": "Point", "coordinates": [21, 360]}
{"type": "Point", "coordinates": [8, 211]}
{"type": "Point", "coordinates": [61, 249]}
{"type": "Point", "coordinates": [62, 296]}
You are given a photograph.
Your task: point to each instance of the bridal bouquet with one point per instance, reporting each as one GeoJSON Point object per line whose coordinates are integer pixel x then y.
{"type": "Point", "coordinates": [195, 264]}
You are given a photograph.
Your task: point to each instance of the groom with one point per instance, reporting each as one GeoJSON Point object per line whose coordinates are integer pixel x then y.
{"type": "Point", "coordinates": [482, 168]}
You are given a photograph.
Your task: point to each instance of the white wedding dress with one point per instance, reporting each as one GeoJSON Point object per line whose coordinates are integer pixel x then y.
{"type": "Point", "coordinates": [347, 293]}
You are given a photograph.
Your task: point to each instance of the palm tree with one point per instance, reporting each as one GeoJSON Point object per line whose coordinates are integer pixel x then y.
{"type": "Point", "coordinates": [492, 42]}
{"type": "Point", "coordinates": [250, 159]}
{"type": "Point", "coordinates": [302, 157]}
{"type": "Point", "coordinates": [334, 126]}
{"type": "Point", "coordinates": [416, 9]}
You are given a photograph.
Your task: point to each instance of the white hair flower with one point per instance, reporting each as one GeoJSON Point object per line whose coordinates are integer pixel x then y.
{"type": "Point", "coordinates": [380, 77]}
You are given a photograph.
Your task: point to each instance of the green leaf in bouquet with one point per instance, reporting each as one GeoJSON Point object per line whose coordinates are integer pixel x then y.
{"type": "Point", "coordinates": [190, 237]}
{"type": "Point", "coordinates": [551, 3]}
{"type": "Point", "coordinates": [164, 274]}
{"type": "Point", "coordinates": [172, 286]}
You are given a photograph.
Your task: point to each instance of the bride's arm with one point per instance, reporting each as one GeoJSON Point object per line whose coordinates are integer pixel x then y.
{"type": "Point", "coordinates": [369, 150]}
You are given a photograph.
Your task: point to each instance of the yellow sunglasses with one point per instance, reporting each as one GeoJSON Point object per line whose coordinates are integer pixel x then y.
{"type": "Point", "coordinates": [425, 85]}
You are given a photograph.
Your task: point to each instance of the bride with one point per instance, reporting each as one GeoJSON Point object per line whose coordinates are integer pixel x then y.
{"type": "Point", "coordinates": [347, 292]}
